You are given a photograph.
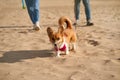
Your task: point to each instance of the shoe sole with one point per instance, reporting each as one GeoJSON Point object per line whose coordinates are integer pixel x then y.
{"type": "Point", "coordinates": [36, 29]}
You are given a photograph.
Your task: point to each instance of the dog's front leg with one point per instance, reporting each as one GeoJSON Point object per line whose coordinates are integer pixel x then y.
{"type": "Point", "coordinates": [67, 50]}
{"type": "Point", "coordinates": [74, 46]}
{"type": "Point", "coordinates": [58, 53]}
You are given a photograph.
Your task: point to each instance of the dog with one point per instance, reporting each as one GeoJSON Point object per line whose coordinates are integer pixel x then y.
{"type": "Point", "coordinates": [64, 37]}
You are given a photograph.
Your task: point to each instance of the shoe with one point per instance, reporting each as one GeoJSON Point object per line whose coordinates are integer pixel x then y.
{"type": "Point", "coordinates": [36, 26]}
{"type": "Point", "coordinates": [75, 23]}
{"type": "Point", "coordinates": [90, 24]}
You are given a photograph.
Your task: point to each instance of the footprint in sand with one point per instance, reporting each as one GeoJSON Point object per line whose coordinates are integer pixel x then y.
{"type": "Point", "coordinates": [93, 42]}
{"type": "Point", "coordinates": [118, 59]}
{"type": "Point", "coordinates": [23, 32]}
{"type": "Point", "coordinates": [106, 61]}
{"type": "Point", "coordinates": [79, 76]}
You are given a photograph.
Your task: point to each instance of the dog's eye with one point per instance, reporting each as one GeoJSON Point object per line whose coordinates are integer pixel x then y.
{"type": "Point", "coordinates": [58, 38]}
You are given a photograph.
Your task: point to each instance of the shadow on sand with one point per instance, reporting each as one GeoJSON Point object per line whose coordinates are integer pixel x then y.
{"type": "Point", "coordinates": [18, 56]}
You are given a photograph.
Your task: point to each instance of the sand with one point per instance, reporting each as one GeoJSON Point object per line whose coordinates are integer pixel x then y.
{"type": "Point", "coordinates": [27, 55]}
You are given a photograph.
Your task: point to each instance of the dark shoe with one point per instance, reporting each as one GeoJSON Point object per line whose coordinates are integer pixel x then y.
{"type": "Point", "coordinates": [90, 24]}
{"type": "Point", "coordinates": [74, 24]}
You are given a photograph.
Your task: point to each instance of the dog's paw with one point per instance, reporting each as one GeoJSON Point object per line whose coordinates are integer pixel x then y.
{"type": "Point", "coordinates": [58, 56]}
{"type": "Point", "coordinates": [67, 52]}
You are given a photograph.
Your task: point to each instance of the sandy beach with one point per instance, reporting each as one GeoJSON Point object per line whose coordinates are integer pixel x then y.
{"type": "Point", "coordinates": [27, 55]}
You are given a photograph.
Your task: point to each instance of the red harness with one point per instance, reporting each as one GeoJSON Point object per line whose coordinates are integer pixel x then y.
{"type": "Point", "coordinates": [63, 48]}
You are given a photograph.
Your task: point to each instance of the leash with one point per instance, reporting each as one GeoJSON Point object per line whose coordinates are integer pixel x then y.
{"type": "Point", "coordinates": [23, 4]}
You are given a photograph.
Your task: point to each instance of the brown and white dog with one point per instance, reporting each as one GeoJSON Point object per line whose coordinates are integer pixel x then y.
{"type": "Point", "coordinates": [64, 37]}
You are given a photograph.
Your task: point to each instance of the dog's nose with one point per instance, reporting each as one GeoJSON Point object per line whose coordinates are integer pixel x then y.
{"type": "Point", "coordinates": [55, 44]}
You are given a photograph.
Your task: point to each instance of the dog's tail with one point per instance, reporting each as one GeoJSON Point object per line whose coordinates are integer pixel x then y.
{"type": "Point", "coordinates": [64, 20]}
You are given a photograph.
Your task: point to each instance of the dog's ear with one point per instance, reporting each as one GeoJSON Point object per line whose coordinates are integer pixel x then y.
{"type": "Point", "coordinates": [50, 33]}
{"type": "Point", "coordinates": [49, 30]}
{"type": "Point", "coordinates": [60, 29]}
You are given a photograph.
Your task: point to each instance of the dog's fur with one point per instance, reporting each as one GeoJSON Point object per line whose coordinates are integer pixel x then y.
{"type": "Point", "coordinates": [64, 35]}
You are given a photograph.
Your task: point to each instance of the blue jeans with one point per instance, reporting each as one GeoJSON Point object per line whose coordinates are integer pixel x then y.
{"type": "Point", "coordinates": [87, 9]}
{"type": "Point", "coordinates": [33, 10]}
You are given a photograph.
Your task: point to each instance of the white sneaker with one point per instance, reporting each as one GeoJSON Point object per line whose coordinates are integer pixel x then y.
{"type": "Point", "coordinates": [36, 26]}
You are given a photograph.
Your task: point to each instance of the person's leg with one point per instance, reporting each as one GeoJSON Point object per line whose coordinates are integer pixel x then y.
{"type": "Point", "coordinates": [29, 4]}
{"type": "Point", "coordinates": [33, 10]}
{"type": "Point", "coordinates": [36, 15]}
{"type": "Point", "coordinates": [87, 12]}
{"type": "Point", "coordinates": [76, 10]}
{"type": "Point", "coordinates": [36, 11]}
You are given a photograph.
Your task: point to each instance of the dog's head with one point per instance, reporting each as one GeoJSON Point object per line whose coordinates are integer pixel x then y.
{"type": "Point", "coordinates": [56, 38]}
